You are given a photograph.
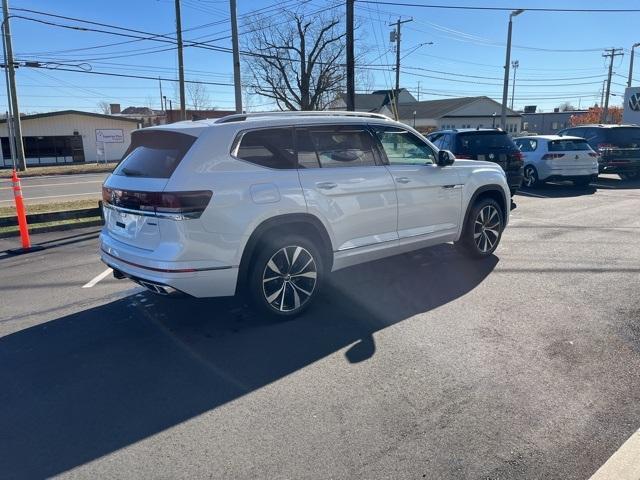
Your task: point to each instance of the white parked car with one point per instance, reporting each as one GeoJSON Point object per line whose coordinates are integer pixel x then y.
{"type": "Point", "coordinates": [268, 204]}
{"type": "Point", "coordinates": [556, 157]}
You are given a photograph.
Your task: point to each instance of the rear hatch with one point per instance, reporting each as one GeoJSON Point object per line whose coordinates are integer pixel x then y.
{"type": "Point", "coordinates": [572, 154]}
{"type": "Point", "coordinates": [620, 145]}
{"type": "Point", "coordinates": [493, 146]}
{"type": "Point", "coordinates": [133, 195]}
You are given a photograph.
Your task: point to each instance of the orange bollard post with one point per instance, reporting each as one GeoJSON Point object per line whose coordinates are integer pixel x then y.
{"type": "Point", "coordinates": [20, 211]}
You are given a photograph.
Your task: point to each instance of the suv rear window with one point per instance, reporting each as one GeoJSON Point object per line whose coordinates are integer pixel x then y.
{"type": "Point", "coordinates": [154, 153]}
{"type": "Point", "coordinates": [568, 145]}
{"type": "Point", "coordinates": [622, 137]}
{"type": "Point", "coordinates": [475, 142]}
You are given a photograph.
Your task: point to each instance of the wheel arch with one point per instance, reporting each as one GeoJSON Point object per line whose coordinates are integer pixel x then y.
{"type": "Point", "coordinates": [300, 223]}
{"type": "Point", "coordinates": [493, 191]}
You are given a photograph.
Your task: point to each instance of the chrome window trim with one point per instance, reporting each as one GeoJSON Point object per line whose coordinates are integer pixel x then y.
{"type": "Point", "coordinates": [143, 213]}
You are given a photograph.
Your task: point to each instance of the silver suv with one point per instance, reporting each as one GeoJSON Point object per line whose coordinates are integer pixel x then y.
{"type": "Point", "coordinates": [269, 204]}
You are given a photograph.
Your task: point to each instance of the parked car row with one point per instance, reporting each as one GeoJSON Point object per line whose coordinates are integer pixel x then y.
{"type": "Point", "coordinates": [576, 154]}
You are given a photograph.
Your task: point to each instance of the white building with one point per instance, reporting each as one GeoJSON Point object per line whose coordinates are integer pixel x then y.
{"type": "Point", "coordinates": [70, 136]}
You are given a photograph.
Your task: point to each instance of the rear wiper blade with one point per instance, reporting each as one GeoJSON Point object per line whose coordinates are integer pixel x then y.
{"type": "Point", "coordinates": [131, 173]}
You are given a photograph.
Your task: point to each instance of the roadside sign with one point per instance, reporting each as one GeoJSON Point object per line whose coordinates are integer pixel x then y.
{"type": "Point", "coordinates": [111, 135]}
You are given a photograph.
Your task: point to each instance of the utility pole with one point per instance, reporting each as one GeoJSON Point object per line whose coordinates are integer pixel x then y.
{"type": "Point", "coordinates": [236, 56]}
{"type": "Point", "coordinates": [418, 90]}
{"type": "Point", "coordinates": [162, 107]}
{"type": "Point", "coordinates": [604, 86]}
{"type": "Point", "coordinates": [183, 106]}
{"type": "Point", "coordinates": [633, 48]}
{"type": "Point", "coordinates": [15, 111]}
{"type": "Point", "coordinates": [395, 36]}
{"type": "Point", "coordinates": [351, 83]}
{"type": "Point", "coordinates": [515, 64]}
{"type": "Point", "coordinates": [610, 53]}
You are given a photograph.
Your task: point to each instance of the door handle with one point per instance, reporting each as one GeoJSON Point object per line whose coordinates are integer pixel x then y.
{"type": "Point", "coordinates": [403, 179]}
{"type": "Point", "coordinates": [326, 185]}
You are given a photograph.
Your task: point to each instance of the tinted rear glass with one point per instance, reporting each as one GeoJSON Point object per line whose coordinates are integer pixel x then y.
{"type": "Point", "coordinates": [271, 147]}
{"type": "Point", "coordinates": [481, 142]}
{"type": "Point", "coordinates": [154, 154]}
{"type": "Point", "coordinates": [568, 145]}
{"type": "Point", "coordinates": [623, 137]}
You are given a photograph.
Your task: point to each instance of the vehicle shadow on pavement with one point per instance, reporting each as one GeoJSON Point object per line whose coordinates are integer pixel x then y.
{"type": "Point", "coordinates": [87, 384]}
{"type": "Point", "coordinates": [557, 190]}
{"type": "Point", "coordinates": [617, 184]}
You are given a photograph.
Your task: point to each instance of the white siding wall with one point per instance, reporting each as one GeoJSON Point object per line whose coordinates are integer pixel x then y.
{"type": "Point", "coordinates": [513, 123]}
{"type": "Point", "coordinates": [85, 125]}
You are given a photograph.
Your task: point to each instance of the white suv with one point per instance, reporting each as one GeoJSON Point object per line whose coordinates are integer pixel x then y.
{"type": "Point", "coordinates": [268, 204]}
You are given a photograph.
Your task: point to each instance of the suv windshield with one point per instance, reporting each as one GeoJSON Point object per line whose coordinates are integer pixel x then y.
{"type": "Point", "coordinates": [154, 153]}
{"type": "Point", "coordinates": [622, 137]}
{"type": "Point", "coordinates": [474, 142]}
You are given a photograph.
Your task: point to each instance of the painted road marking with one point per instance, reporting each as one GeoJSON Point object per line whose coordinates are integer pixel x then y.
{"type": "Point", "coordinates": [97, 278]}
{"type": "Point", "coordinates": [624, 463]}
{"type": "Point", "coordinates": [53, 184]}
{"type": "Point", "coordinates": [95, 194]}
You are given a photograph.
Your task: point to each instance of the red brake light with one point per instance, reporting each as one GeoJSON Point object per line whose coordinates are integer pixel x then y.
{"type": "Point", "coordinates": [171, 204]}
{"type": "Point", "coordinates": [464, 157]}
{"type": "Point", "coordinates": [518, 155]}
{"type": "Point", "coordinates": [550, 156]}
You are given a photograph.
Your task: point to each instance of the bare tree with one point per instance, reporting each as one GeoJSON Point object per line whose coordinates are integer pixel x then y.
{"type": "Point", "coordinates": [566, 107]}
{"type": "Point", "coordinates": [298, 64]}
{"type": "Point", "coordinates": [104, 107]}
{"type": "Point", "coordinates": [198, 96]}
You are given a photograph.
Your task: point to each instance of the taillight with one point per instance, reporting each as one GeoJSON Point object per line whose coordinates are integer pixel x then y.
{"type": "Point", "coordinates": [518, 156]}
{"type": "Point", "coordinates": [551, 156]}
{"type": "Point", "coordinates": [176, 205]}
{"type": "Point", "coordinates": [464, 157]}
{"type": "Point", "coordinates": [604, 146]}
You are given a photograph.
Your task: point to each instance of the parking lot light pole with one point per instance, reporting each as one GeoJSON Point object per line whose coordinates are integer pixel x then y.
{"type": "Point", "coordinates": [633, 48]}
{"type": "Point", "coordinates": [505, 89]}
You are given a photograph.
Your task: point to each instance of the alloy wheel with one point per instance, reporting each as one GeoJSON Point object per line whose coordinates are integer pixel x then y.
{"type": "Point", "coordinates": [486, 229]}
{"type": "Point", "coordinates": [289, 278]}
{"type": "Point", "coordinates": [529, 177]}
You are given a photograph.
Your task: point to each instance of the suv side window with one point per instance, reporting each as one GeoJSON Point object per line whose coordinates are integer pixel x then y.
{"type": "Point", "coordinates": [343, 146]}
{"type": "Point", "coordinates": [403, 147]}
{"type": "Point", "coordinates": [268, 147]}
{"type": "Point", "coordinates": [526, 144]}
{"type": "Point", "coordinates": [436, 139]}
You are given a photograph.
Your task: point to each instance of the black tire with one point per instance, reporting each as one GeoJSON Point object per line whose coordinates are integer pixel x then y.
{"type": "Point", "coordinates": [285, 275]}
{"type": "Point", "coordinates": [583, 181]}
{"type": "Point", "coordinates": [631, 175]}
{"type": "Point", "coordinates": [530, 178]}
{"type": "Point", "coordinates": [477, 240]}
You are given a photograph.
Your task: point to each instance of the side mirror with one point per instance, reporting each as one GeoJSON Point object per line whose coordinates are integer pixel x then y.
{"type": "Point", "coordinates": [445, 158]}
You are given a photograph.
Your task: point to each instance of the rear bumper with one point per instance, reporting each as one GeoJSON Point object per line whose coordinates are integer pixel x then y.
{"type": "Point", "coordinates": [617, 166]}
{"type": "Point", "coordinates": [198, 279]}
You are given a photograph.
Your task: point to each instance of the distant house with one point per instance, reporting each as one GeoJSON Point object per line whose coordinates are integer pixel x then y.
{"type": "Point", "coordinates": [465, 112]}
{"type": "Point", "coordinates": [378, 101]}
{"type": "Point", "coordinates": [428, 115]}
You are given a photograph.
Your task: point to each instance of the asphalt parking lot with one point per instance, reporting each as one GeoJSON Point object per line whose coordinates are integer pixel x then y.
{"type": "Point", "coordinates": [425, 365]}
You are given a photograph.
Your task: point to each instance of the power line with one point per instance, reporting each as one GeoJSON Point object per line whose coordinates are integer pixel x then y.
{"type": "Point", "coordinates": [503, 9]}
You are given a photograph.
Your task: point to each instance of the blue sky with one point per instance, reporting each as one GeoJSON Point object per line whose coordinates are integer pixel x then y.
{"type": "Point", "coordinates": [560, 54]}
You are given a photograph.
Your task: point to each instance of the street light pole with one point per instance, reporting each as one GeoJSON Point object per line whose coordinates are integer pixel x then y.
{"type": "Point", "coordinates": [633, 47]}
{"type": "Point", "coordinates": [505, 89]}
{"type": "Point", "coordinates": [515, 64]}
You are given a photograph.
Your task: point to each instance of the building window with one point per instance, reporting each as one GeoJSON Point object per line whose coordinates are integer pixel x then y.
{"type": "Point", "coordinates": [47, 150]}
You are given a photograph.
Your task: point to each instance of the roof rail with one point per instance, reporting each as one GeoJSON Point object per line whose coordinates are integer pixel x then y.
{"type": "Point", "coordinates": [240, 117]}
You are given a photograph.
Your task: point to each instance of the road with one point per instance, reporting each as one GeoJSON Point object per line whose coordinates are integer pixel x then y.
{"type": "Point", "coordinates": [54, 189]}
{"type": "Point", "coordinates": [425, 365]}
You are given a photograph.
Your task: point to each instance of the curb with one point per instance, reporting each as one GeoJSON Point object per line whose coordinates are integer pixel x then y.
{"type": "Point", "coordinates": [54, 228]}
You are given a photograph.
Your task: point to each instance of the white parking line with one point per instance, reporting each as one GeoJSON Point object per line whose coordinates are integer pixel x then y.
{"type": "Point", "coordinates": [623, 464]}
{"type": "Point", "coordinates": [97, 278]}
